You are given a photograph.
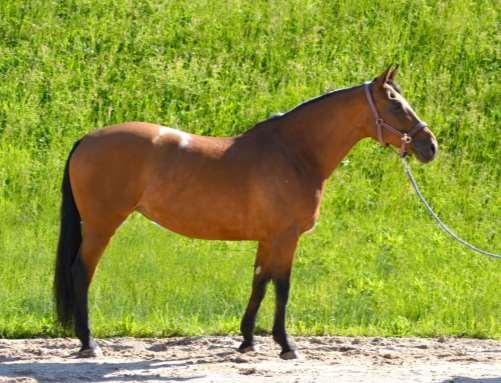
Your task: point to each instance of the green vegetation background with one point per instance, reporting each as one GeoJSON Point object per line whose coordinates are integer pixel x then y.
{"type": "Point", "coordinates": [376, 263]}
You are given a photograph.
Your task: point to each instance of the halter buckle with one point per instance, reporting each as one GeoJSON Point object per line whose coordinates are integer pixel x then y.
{"type": "Point", "coordinates": [406, 139]}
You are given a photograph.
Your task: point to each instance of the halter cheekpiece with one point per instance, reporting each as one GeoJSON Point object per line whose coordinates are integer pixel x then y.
{"type": "Point", "coordinates": [405, 137]}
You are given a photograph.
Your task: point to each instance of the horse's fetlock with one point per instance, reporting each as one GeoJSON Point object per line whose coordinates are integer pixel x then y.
{"type": "Point", "coordinates": [278, 336]}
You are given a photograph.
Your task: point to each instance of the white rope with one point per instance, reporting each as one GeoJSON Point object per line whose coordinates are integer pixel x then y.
{"type": "Point", "coordinates": [442, 225]}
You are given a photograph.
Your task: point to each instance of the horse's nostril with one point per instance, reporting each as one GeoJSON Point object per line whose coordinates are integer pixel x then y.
{"type": "Point", "coordinates": [433, 149]}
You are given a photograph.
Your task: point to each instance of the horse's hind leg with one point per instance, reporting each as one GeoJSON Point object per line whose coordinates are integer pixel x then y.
{"type": "Point", "coordinates": [94, 242]}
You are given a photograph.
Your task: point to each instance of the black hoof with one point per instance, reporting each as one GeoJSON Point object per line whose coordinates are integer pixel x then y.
{"type": "Point", "coordinates": [91, 352]}
{"type": "Point", "coordinates": [288, 355]}
{"type": "Point", "coordinates": [246, 347]}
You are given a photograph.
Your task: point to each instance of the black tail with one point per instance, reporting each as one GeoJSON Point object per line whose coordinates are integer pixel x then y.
{"type": "Point", "coordinates": [70, 237]}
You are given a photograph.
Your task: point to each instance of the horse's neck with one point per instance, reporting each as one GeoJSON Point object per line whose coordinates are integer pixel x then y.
{"type": "Point", "coordinates": [323, 131]}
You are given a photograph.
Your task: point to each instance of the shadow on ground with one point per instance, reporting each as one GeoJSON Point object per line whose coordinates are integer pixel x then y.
{"type": "Point", "coordinates": [94, 371]}
{"type": "Point", "coordinates": [464, 379]}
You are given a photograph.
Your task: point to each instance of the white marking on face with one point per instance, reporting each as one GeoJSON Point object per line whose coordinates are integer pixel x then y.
{"type": "Point", "coordinates": [184, 138]}
{"type": "Point", "coordinates": [258, 270]}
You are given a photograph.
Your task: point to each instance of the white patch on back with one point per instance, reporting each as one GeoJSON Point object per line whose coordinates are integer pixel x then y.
{"type": "Point", "coordinates": [154, 223]}
{"type": "Point", "coordinates": [258, 270]}
{"type": "Point", "coordinates": [276, 114]}
{"type": "Point", "coordinates": [184, 138]}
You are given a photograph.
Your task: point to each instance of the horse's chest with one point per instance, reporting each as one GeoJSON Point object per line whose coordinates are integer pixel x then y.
{"type": "Point", "coordinates": [298, 206]}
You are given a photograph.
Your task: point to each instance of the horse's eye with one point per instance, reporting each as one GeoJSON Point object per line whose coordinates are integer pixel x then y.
{"type": "Point", "coordinates": [397, 106]}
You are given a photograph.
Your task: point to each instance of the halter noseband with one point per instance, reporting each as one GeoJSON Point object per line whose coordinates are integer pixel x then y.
{"type": "Point", "coordinates": [405, 137]}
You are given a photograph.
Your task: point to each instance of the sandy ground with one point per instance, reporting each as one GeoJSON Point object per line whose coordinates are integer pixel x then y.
{"type": "Point", "coordinates": [215, 359]}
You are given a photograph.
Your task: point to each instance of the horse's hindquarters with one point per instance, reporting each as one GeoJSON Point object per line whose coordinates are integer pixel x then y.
{"type": "Point", "coordinates": [108, 174]}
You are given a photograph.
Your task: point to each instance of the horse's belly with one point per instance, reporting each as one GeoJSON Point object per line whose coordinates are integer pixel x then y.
{"type": "Point", "coordinates": [203, 224]}
{"type": "Point", "coordinates": [204, 210]}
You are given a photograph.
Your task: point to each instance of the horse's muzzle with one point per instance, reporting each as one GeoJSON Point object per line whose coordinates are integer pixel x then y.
{"type": "Point", "coordinates": [425, 150]}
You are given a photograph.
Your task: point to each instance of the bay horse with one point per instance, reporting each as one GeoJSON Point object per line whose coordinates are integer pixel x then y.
{"type": "Point", "coordinates": [264, 185]}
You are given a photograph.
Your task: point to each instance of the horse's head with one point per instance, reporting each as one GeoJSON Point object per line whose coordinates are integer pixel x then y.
{"type": "Point", "coordinates": [394, 122]}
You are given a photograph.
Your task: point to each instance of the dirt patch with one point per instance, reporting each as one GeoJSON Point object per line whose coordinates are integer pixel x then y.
{"type": "Point", "coordinates": [215, 359]}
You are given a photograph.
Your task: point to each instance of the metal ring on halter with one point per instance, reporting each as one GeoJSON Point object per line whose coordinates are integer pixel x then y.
{"type": "Point", "coordinates": [406, 138]}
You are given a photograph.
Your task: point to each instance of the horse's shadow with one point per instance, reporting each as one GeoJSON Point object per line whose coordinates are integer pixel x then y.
{"type": "Point", "coordinates": [464, 379]}
{"type": "Point", "coordinates": [94, 371]}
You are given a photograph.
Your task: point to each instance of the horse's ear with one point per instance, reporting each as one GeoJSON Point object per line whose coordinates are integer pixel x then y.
{"type": "Point", "coordinates": [385, 77]}
{"type": "Point", "coordinates": [393, 73]}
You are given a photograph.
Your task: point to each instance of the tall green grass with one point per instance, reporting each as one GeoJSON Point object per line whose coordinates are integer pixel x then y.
{"type": "Point", "coordinates": [376, 264]}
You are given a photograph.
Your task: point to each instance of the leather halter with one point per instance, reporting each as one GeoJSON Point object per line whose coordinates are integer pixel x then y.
{"type": "Point", "coordinates": [405, 137]}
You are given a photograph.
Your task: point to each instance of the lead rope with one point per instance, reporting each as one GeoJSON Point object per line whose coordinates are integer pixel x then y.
{"type": "Point", "coordinates": [443, 226]}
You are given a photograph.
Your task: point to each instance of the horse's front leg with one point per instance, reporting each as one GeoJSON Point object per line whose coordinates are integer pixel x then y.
{"type": "Point", "coordinates": [273, 261]}
{"type": "Point", "coordinates": [260, 280]}
{"type": "Point", "coordinates": [281, 266]}
{"type": "Point", "coordinates": [279, 333]}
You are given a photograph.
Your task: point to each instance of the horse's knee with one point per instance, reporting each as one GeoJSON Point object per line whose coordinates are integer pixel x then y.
{"type": "Point", "coordinates": [282, 287]}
